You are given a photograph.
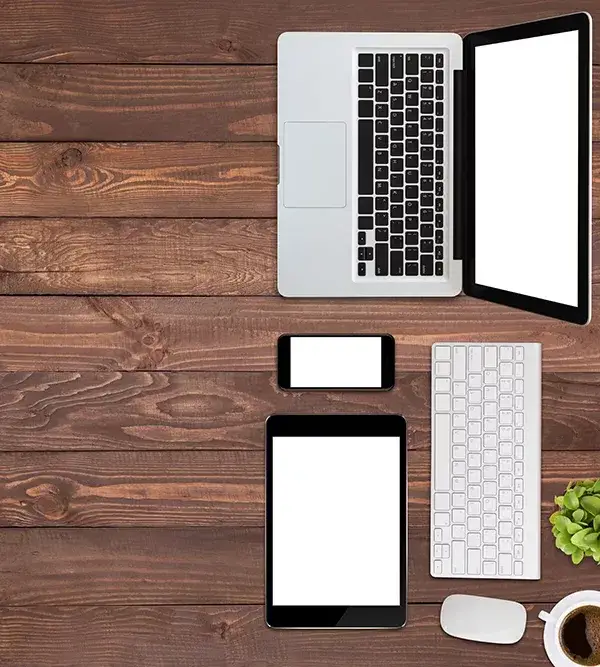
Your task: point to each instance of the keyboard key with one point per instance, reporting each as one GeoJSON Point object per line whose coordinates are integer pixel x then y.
{"type": "Point", "coordinates": [439, 124]}
{"type": "Point", "coordinates": [381, 141]}
{"type": "Point", "coordinates": [381, 157]}
{"type": "Point", "coordinates": [397, 261]}
{"type": "Point", "coordinates": [397, 103]}
{"type": "Point", "coordinates": [458, 557]}
{"type": "Point", "coordinates": [381, 188]}
{"type": "Point", "coordinates": [397, 133]}
{"type": "Point", "coordinates": [412, 99]}
{"type": "Point", "coordinates": [427, 246]}
{"type": "Point", "coordinates": [397, 118]}
{"type": "Point", "coordinates": [426, 168]}
{"type": "Point", "coordinates": [412, 269]}
{"type": "Point", "coordinates": [426, 91]}
{"type": "Point", "coordinates": [365, 205]}
{"type": "Point", "coordinates": [381, 219]}
{"type": "Point", "coordinates": [365, 75]}
{"type": "Point", "coordinates": [381, 110]}
{"type": "Point", "coordinates": [397, 165]}
{"type": "Point", "coordinates": [397, 65]}
{"type": "Point", "coordinates": [412, 63]}
{"type": "Point", "coordinates": [439, 92]}
{"type": "Point", "coordinates": [381, 259]}
{"type": "Point", "coordinates": [439, 59]}
{"type": "Point", "coordinates": [397, 210]}
{"type": "Point", "coordinates": [439, 269]}
{"type": "Point", "coordinates": [365, 222]}
{"type": "Point", "coordinates": [381, 95]}
{"type": "Point", "coordinates": [427, 122]}
{"type": "Point", "coordinates": [473, 561]}
{"type": "Point", "coordinates": [365, 90]}
{"type": "Point", "coordinates": [397, 227]}
{"type": "Point", "coordinates": [381, 69]}
{"type": "Point", "coordinates": [426, 265]}
{"type": "Point", "coordinates": [411, 83]}
{"type": "Point", "coordinates": [381, 234]}
{"type": "Point", "coordinates": [397, 196]}
{"type": "Point", "coordinates": [412, 115]}
{"type": "Point", "coordinates": [397, 243]}
{"type": "Point", "coordinates": [381, 172]}
{"type": "Point", "coordinates": [439, 108]}
{"type": "Point", "coordinates": [412, 130]}
{"type": "Point", "coordinates": [439, 76]}
{"type": "Point", "coordinates": [362, 238]}
{"type": "Point", "coordinates": [369, 254]}
{"type": "Point", "coordinates": [381, 203]}
{"type": "Point", "coordinates": [397, 149]}
{"type": "Point", "coordinates": [365, 157]}
{"type": "Point", "coordinates": [362, 269]}
{"type": "Point", "coordinates": [397, 87]}
{"type": "Point", "coordinates": [365, 60]}
{"type": "Point", "coordinates": [427, 76]}
{"type": "Point", "coordinates": [439, 173]}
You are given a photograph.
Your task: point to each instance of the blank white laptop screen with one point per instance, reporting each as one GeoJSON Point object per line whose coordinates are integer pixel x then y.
{"type": "Point", "coordinates": [336, 521]}
{"type": "Point", "coordinates": [335, 361]}
{"type": "Point", "coordinates": [526, 166]}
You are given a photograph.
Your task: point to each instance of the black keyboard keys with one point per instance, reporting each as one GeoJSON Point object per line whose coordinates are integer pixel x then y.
{"type": "Point", "coordinates": [365, 108]}
{"type": "Point", "coordinates": [381, 259]}
{"type": "Point", "coordinates": [381, 219]}
{"type": "Point", "coordinates": [365, 60]}
{"type": "Point", "coordinates": [426, 265]}
{"type": "Point", "coordinates": [397, 262]}
{"type": "Point", "coordinates": [381, 69]}
{"type": "Point", "coordinates": [365, 90]}
{"type": "Point", "coordinates": [365, 205]}
{"type": "Point", "coordinates": [439, 59]}
{"type": "Point", "coordinates": [397, 65]}
{"type": "Point", "coordinates": [381, 95]}
{"type": "Point", "coordinates": [427, 60]}
{"type": "Point", "coordinates": [412, 63]}
{"type": "Point", "coordinates": [365, 157]}
{"type": "Point", "coordinates": [362, 238]}
{"type": "Point", "coordinates": [365, 75]}
{"type": "Point", "coordinates": [381, 234]}
{"type": "Point", "coordinates": [412, 269]}
{"type": "Point", "coordinates": [362, 269]}
{"type": "Point", "coordinates": [365, 222]}
{"type": "Point", "coordinates": [439, 268]}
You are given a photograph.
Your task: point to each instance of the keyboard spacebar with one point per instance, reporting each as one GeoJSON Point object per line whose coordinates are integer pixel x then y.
{"type": "Point", "coordinates": [365, 157]}
{"type": "Point", "coordinates": [441, 452]}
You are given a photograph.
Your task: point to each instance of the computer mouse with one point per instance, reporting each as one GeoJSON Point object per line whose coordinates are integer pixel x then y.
{"type": "Point", "coordinates": [483, 619]}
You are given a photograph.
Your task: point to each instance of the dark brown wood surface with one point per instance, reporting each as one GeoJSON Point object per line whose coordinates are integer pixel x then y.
{"type": "Point", "coordinates": [138, 321]}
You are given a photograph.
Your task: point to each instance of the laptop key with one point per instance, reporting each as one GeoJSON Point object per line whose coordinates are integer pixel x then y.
{"type": "Point", "coordinates": [412, 222]}
{"type": "Point", "coordinates": [412, 83]}
{"type": "Point", "coordinates": [427, 184]}
{"type": "Point", "coordinates": [381, 218]}
{"type": "Point", "coordinates": [426, 198]}
{"type": "Point", "coordinates": [439, 92]}
{"type": "Point", "coordinates": [427, 168]}
{"type": "Point", "coordinates": [397, 227]}
{"type": "Point", "coordinates": [412, 192]}
{"type": "Point", "coordinates": [397, 196]}
{"type": "Point", "coordinates": [427, 246]}
{"type": "Point", "coordinates": [397, 164]}
{"type": "Point", "coordinates": [412, 254]}
{"type": "Point", "coordinates": [365, 90]}
{"type": "Point", "coordinates": [365, 157]}
{"type": "Point", "coordinates": [412, 115]}
{"type": "Point", "coordinates": [412, 269]}
{"type": "Point", "coordinates": [412, 63]}
{"type": "Point", "coordinates": [426, 265]}
{"type": "Point", "coordinates": [397, 87]}
{"type": "Point", "coordinates": [439, 252]}
{"type": "Point", "coordinates": [427, 76]}
{"type": "Point", "coordinates": [427, 231]}
{"type": "Point", "coordinates": [439, 220]}
{"type": "Point", "coordinates": [397, 118]}
{"type": "Point", "coordinates": [439, 59]}
{"type": "Point", "coordinates": [412, 146]}
{"type": "Point", "coordinates": [439, 108]}
{"type": "Point", "coordinates": [397, 65]}
{"type": "Point", "coordinates": [362, 255]}
{"type": "Point", "coordinates": [426, 92]}
{"type": "Point", "coordinates": [397, 134]}
{"type": "Point", "coordinates": [381, 187]}
{"type": "Point", "coordinates": [427, 138]}
{"type": "Point", "coordinates": [381, 172]}
{"type": "Point", "coordinates": [365, 60]}
{"type": "Point", "coordinates": [412, 161]}
{"type": "Point", "coordinates": [439, 76]}
{"type": "Point", "coordinates": [412, 130]}
{"type": "Point", "coordinates": [362, 269]}
{"type": "Point", "coordinates": [439, 205]}
{"type": "Point", "coordinates": [381, 234]}
{"type": "Point", "coordinates": [381, 157]}
{"type": "Point", "coordinates": [427, 60]}
{"type": "Point", "coordinates": [381, 95]}
{"type": "Point", "coordinates": [397, 180]}
{"type": "Point", "coordinates": [397, 149]}
{"type": "Point", "coordinates": [439, 189]}
{"type": "Point", "coordinates": [439, 141]}
{"type": "Point", "coordinates": [369, 253]}
{"type": "Point", "coordinates": [439, 124]}
{"type": "Point", "coordinates": [362, 238]}
{"type": "Point", "coordinates": [427, 107]}
{"type": "Point", "coordinates": [365, 205]}
{"type": "Point", "coordinates": [439, 173]}
{"type": "Point", "coordinates": [382, 125]}
{"type": "Point", "coordinates": [381, 203]}
{"type": "Point", "coordinates": [381, 69]}
{"type": "Point", "coordinates": [365, 75]}
{"type": "Point", "coordinates": [365, 108]}
{"type": "Point", "coordinates": [381, 141]}
{"type": "Point", "coordinates": [411, 238]}
{"type": "Point", "coordinates": [397, 242]}
{"type": "Point", "coordinates": [412, 176]}
{"type": "Point", "coordinates": [381, 259]}
{"type": "Point", "coordinates": [365, 222]}
{"type": "Point", "coordinates": [397, 262]}
{"type": "Point", "coordinates": [427, 122]}
{"type": "Point", "coordinates": [397, 211]}
{"type": "Point", "coordinates": [426, 215]}
{"type": "Point", "coordinates": [439, 268]}
{"type": "Point", "coordinates": [381, 110]}
{"type": "Point", "coordinates": [412, 99]}
{"type": "Point", "coordinates": [439, 236]}
{"type": "Point", "coordinates": [397, 103]}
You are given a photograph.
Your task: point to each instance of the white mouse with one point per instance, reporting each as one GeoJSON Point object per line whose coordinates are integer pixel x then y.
{"type": "Point", "coordinates": [483, 619]}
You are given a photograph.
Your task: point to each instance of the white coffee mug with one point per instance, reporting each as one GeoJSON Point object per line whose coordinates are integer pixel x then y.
{"type": "Point", "coordinates": [554, 621]}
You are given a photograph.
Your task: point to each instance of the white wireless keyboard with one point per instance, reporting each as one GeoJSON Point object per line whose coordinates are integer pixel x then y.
{"type": "Point", "coordinates": [486, 460]}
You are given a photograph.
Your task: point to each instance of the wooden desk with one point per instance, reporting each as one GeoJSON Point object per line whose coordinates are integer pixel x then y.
{"type": "Point", "coordinates": [137, 343]}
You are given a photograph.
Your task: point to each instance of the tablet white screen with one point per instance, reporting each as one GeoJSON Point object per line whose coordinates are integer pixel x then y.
{"type": "Point", "coordinates": [526, 173]}
{"type": "Point", "coordinates": [335, 361]}
{"type": "Point", "coordinates": [336, 521]}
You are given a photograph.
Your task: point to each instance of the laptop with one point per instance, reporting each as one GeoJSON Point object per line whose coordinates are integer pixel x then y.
{"type": "Point", "coordinates": [424, 164]}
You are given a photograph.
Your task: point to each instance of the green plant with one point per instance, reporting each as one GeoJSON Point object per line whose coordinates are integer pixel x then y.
{"type": "Point", "coordinates": [576, 524]}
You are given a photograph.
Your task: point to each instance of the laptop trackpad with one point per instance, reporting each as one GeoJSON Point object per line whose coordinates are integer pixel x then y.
{"type": "Point", "coordinates": [314, 165]}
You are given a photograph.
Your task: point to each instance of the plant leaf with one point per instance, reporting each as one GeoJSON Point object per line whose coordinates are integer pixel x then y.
{"type": "Point", "coordinates": [591, 504]}
{"type": "Point", "coordinates": [597, 522]}
{"type": "Point", "coordinates": [590, 539]}
{"type": "Point", "coordinates": [560, 501]}
{"type": "Point", "coordinates": [578, 515]}
{"type": "Point", "coordinates": [562, 522]}
{"type": "Point", "coordinates": [577, 557]}
{"type": "Point", "coordinates": [572, 501]}
{"type": "Point", "coordinates": [573, 528]}
{"type": "Point", "coordinates": [562, 540]}
{"type": "Point", "coordinates": [555, 531]}
{"type": "Point", "coordinates": [569, 549]}
{"type": "Point", "coordinates": [588, 483]}
{"type": "Point", "coordinates": [577, 539]}
{"type": "Point", "coordinates": [579, 490]}
{"type": "Point", "coordinates": [596, 487]}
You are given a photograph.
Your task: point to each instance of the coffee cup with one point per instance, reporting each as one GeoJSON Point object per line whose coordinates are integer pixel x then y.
{"type": "Point", "coordinates": [572, 630]}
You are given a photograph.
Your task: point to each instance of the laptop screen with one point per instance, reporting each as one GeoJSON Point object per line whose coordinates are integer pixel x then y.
{"type": "Point", "coordinates": [526, 166]}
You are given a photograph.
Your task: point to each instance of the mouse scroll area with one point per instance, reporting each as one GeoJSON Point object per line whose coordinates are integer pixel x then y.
{"type": "Point", "coordinates": [313, 169]}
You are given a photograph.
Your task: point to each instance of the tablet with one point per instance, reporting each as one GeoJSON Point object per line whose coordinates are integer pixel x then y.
{"type": "Point", "coordinates": [528, 166]}
{"type": "Point", "coordinates": [336, 521]}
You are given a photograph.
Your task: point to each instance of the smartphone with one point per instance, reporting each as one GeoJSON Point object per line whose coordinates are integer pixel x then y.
{"type": "Point", "coordinates": [329, 362]}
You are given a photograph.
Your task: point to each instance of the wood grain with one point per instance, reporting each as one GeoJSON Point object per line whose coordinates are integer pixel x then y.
{"type": "Point", "coordinates": [138, 179]}
{"type": "Point", "coordinates": [138, 255]}
{"type": "Point", "coordinates": [227, 31]}
{"type": "Point", "coordinates": [236, 636]}
{"type": "Point", "coordinates": [221, 565]}
{"type": "Point", "coordinates": [207, 257]}
{"type": "Point", "coordinates": [220, 333]}
{"type": "Point", "coordinates": [90, 411]}
{"type": "Point", "coordinates": [125, 103]}
{"type": "Point", "coordinates": [138, 103]}
{"type": "Point", "coordinates": [147, 179]}
{"type": "Point", "coordinates": [132, 489]}
{"type": "Point", "coordinates": [178, 489]}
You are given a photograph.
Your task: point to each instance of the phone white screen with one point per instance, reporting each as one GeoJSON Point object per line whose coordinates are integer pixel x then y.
{"type": "Point", "coordinates": [526, 166]}
{"type": "Point", "coordinates": [336, 521]}
{"type": "Point", "coordinates": [335, 361]}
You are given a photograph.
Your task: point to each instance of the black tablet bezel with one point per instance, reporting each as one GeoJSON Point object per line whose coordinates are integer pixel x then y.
{"type": "Point", "coordinates": [579, 314]}
{"type": "Point", "coordinates": [388, 362]}
{"type": "Point", "coordinates": [325, 616]}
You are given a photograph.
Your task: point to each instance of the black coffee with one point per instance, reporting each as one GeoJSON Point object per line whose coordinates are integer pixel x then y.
{"type": "Point", "coordinates": [580, 635]}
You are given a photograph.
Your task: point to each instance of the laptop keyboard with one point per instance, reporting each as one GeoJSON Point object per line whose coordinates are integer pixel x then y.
{"type": "Point", "coordinates": [401, 163]}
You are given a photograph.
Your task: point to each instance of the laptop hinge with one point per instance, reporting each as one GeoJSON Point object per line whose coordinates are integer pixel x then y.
{"type": "Point", "coordinates": [459, 164]}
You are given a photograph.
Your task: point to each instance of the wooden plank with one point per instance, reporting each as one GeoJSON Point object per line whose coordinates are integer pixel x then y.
{"type": "Point", "coordinates": [132, 489]}
{"type": "Point", "coordinates": [237, 636]}
{"type": "Point", "coordinates": [137, 255]}
{"type": "Point", "coordinates": [178, 489]}
{"type": "Point", "coordinates": [138, 179]}
{"type": "Point", "coordinates": [220, 411]}
{"type": "Point", "coordinates": [222, 565]}
{"type": "Point", "coordinates": [138, 103]}
{"type": "Point", "coordinates": [217, 257]}
{"type": "Point", "coordinates": [187, 31]}
{"type": "Point", "coordinates": [125, 103]}
{"type": "Point", "coordinates": [220, 333]}
{"type": "Point", "coordinates": [147, 179]}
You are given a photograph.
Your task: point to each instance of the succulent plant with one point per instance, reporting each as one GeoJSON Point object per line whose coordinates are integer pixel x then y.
{"type": "Point", "coordinates": [576, 523]}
